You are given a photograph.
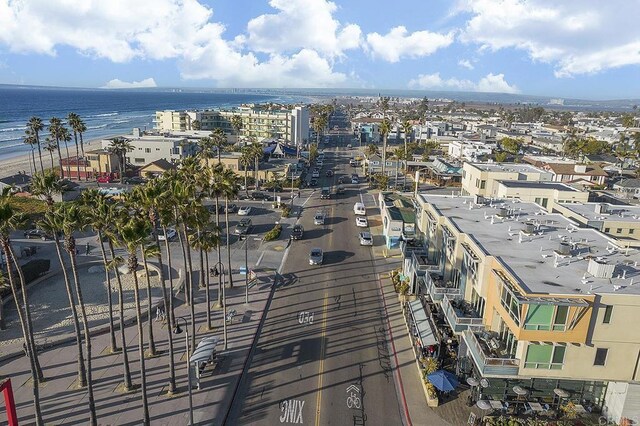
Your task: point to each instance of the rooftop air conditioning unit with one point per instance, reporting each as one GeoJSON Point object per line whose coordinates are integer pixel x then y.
{"type": "Point", "coordinates": [600, 268]}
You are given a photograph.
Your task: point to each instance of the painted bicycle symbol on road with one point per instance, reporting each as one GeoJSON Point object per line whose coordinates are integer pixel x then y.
{"type": "Point", "coordinates": [353, 398]}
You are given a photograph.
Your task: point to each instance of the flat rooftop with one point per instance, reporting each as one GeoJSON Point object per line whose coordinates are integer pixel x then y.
{"type": "Point", "coordinates": [611, 212]}
{"type": "Point", "coordinates": [537, 185]}
{"type": "Point", "coordinates": [532, 259]}
{"type": "Point", "coordinates": [507, 167]}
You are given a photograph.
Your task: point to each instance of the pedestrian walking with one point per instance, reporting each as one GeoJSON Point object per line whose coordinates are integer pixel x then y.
{"type": "Point", "coordinates": [87, 249]}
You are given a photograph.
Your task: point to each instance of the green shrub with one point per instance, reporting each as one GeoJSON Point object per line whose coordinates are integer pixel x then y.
{"type": "Point", "coordinates": [286, 211]}
{"type": "Point", "coordinates": [273, 234]}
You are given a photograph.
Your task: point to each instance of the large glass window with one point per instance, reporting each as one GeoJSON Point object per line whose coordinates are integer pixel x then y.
{"type": "Point", "coordinates": [601, 356]}
{"type": "Point", "coordinates": [539, 317]}
{"type": "Point", "coordinates": [607, 314]}
{"type": "Point", "coordinates": [560, 321]}
{"type": "Point", "coordinates": [511, 304]}
{"type": "Point", "coordinates": [545, 356]}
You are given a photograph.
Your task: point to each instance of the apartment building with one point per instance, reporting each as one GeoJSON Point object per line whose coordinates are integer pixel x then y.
{"type": "Point", "coordinates": [97, 163]}
{"type": "Point", "coordinates": [150, 148]}
{"type": "Point", "coordinates": [257, 123]}
{"type": "Point", "coordinates": [483, 178]}
{"type": "Point", "coordinates": [619, 222]}
{"type": "Point", "coordinates": [468, 150]}
{"type": "Point", "coordinates": [535, 305]}
{"type": "Point", "coordinates": [545, 194]}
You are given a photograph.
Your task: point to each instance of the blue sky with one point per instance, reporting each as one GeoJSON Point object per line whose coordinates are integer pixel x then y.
{"type": "Point", "coordinates": [572, 48]}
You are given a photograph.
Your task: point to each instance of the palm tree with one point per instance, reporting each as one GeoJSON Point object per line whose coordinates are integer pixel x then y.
{"type": "Point", "coordinates": [46, 185]}
{"type": "Point", "coordinates": [80, 128]}
{"type": "Point", "coordinates": [133, 231]}
{"type": "Point", "coordinates": [196, 125]}
{"type": "Point", "coordinates": [35, 126]}
{"type": "Point", "coordinates": [76, 127]}
{"type": "Point", "coordinates": [245, 160]}
{"type": "Point", "coordinates": [10, 220]}
{"type": "Point", "coordinates": [120, 147]}
{"type": "Point", "coordinates": [371, 149]}
{"type": "Point", "coordinates": [385, 128]}
{"type": "Point", "coordinates": [55, 126]}
{"type": "Point", "coordinates": [97, 211]}
{"type": "Point", "coordinates": [257, 152]}
{"type": "Point", "coordinates": [230, 191]}
{"type": "Point", "coordinates": [154, 199]}
{"type": "Point", "coordinates": [216, 190]}
{"type": "Point", "coordinates": [198, 241]}
{"type": "Point", "coordinates": [72, 219]}
{"type": "Point", "coordinates": [219, 141]}
{"type": "Point", "coordinates": [30, 140]}
{"type": "Point", "coordinates": [236, 123]}
{"type": "Point", "coordinates": [319, 123]}
{"type": "Point", "coordinates": [50, 147]}
{"type": "Point", "coordinates": [407, 128]}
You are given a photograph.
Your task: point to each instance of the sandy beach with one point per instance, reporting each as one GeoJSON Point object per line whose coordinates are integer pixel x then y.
{"type": "Point", "coordinates": [13, 165]}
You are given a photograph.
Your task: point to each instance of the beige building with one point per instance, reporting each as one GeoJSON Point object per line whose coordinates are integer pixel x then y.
{"type": "Point", "coordinates": [484, 178]}
{"type": "Point", "coordinates": [531, 300]}
{"type": "Point", "coordinates": [619, 222]}
{"type": "Point", "coordinates": [257, 123]}
{"type": "Point", "coordinates": [545, 194]}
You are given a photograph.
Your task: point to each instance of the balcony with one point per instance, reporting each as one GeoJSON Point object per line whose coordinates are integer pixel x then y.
{"type": "Point", "coordinates": [421, 262]}
{"type": "Point", "coordinates": [459, 314]}
{"type": "Point", "coordinates": [487, 352]}
{"type": "Point", "coordinates": [437, 288]}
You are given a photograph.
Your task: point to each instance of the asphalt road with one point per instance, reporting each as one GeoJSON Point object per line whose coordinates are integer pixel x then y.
{"type": "Point", "coordinates": [322, 355]}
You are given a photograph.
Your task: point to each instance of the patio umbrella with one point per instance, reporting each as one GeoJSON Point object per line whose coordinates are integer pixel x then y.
{"type": "Point", "coordinates": [443, 380]}
{"type": "Point", "coordinates": [483, 404]}
{"type": "Point", "coordinates": [561, 392]}
{"type": "Point", "coordinates": [472, 381]}
{"type": "Point", "coordinates": [520, 391]}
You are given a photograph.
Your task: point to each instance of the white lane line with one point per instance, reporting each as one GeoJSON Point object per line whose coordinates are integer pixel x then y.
{"type": "Point", "coordinates": [260, 259]}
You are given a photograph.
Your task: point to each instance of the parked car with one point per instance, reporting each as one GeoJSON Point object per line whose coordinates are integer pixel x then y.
{"type": "Point", "coordinates": [355, 181]}
{"type": "Point", "coordinates": [171, 234]}
{"type": "Point", "coordinates": [244, 211]}
{"type": "Point", "coordinates": [297, 232]}
{"type": "Point", "coordinates": [366, 239]}
{"type": "Point", "coordinates": [231, 208]}
{"type": "Point", "coordinates": [258, 195]}
{"type": "Point", "coordinates": [326, 193]}
{"type": "Point", "coordinates": [319, 218]}
{"type": "Point", "coordinates": [313, 182]}
{"type": "Point", "coordinates": [362, 222]}
{"type": "Point", "coordinates": [353, 162]}
{"type": "Point", "coordinates": [316, 256]}
{"type": "Point", "coordinates": [340, 189]}
{"type": "Point", "coordinates": [243, 227]}
{"type": "Point", "coordinates": [37, 234]}
{"type": "Point", "coordinates": [104, 179]}
{"type": "Point", "coordinates": [329, 173]}
{"type": "Point", "coordinates": [315, 173]}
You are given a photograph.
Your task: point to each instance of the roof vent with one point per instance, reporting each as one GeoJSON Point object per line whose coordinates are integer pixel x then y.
{"type": "Point", "coordinates": [602, 208]}
{"type": "Point", "coordinates": [529, 228]}
{"type": "Point", "coordinates": [504, 212]}
{"type": "Point", "coordinates": [564, 249]}
{"type": "Point", "coordinates": [599, 268]}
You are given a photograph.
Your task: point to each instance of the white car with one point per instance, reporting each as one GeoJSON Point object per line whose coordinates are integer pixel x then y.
{"type": "Point", "coordinates": [318, 219]}
{"type": "Point", "coordinates": [315, 174]}
{"type": "Point", "coordinates": [244, 211]}
{"type": "Point", "coordinates": [316, 256]}
{"type": "Point", "coordinates": [366, 239]}
{"type": "Point", "coordinates": [362, 222]}
{"type": "Point", "coordinates": [171, 233]}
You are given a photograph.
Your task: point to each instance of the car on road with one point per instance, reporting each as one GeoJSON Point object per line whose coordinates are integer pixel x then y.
{"type": "Point", "coordinates": [319, 218]}
{"type": "Point", "coordinates": [359, 209]}
{"type": "Point", "coordinates": [104, 179]}
{"type": "Point", "coordinates": [366, 239]}
{"type": "Point", "coordinates": [362, 222]}
{"type": "Point", "coordinates": [340, 189]}
{"type": "Point", "coordinates": [315, 173]}
{"type": "Point", "coordinates": [319, 163]}
{"type": "Point", "coordinates": [38, 234]}
{"type": "Point", "coordinates": [244, 211]}
{"type": "Point", "coordinates": [231, 208]}
{"type": "Point", "coordinates": [258, 195]}
{"type": "Point", "coordinates": [329, 173]}
{"type": "Point", "coordinates": [297, 232]}
{"type": "Point", "coordinates": [343, 179]}
{"type": "Point", "coordinates": [313, 182]}
{"type": "Point", "coordinates": [348, 146]}
{"type": "Point", "coordinates": [353, 162]}
{"type": "Point", "coordinates": [243, 227]}
{"type": "Point", "coordinates": [326, 193]}
{"type": "Point", "coordinates": [171, 234]}
{"type": "Point", "coordinates": [355, 180]}
{"type": "Point", "coordinates": [316, 256]}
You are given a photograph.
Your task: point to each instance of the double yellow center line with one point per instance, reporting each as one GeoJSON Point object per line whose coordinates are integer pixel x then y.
{"type": "Point", "coordinates": [322, 349]}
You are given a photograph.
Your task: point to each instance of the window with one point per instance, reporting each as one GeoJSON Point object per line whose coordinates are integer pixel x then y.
{"type": "Point", "coordinates": [549, 357]}
{"type": "Point", "coordinates": [511, 304]}
{"type": "Point", "coordinates": [619, 231]}
{"type": "Point", "coordinates": [607, 314]}
{"type": "Point", "coordinates": [544, 202]}
{"type": "Point", "coordinates": [139, 160]}
{"type": "Point", "coordinates": [147, 150]}
{"type": "Point", "coordinates": [539, 317]}
{"type": "Point", "coordinates": [477, 183]}
{"type": "Point", "coordinates": [601, 356]}
{"type": "Point", "coordinates": [560, 321]}
{"type": "Point", "coordinates": [483, 184]}
{"type": "Point", "coordinates": [606, 230]}
{"type": "Point", "coordinates": [631, 231]}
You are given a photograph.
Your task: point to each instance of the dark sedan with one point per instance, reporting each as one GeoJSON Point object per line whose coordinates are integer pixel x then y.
{"type": "Point", "coordinates": [37, 234]}
{"type": "Point", "coordinates": [297, 232]}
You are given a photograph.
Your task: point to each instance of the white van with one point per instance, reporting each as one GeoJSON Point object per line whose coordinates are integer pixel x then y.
{"type": "Point", "coordinates": [359, 209]}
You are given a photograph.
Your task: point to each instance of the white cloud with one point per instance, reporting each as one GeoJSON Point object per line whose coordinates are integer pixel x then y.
{"type": "Point", "coordinates": [576, 36]}
{"type": "Point", "coordinates": [119, 84]}
{"type": "Point", "coordinates": [398, 43]}
{"type": "Point", "coordinates": [489, 83]}
{"type": "Point", "coordinates": [466, 64]}
{"type": "Point", "coordinates": [307, 24]}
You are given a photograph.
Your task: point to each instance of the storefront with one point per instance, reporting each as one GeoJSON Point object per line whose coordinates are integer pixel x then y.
{"type": "Point", "coordinates": [423, 335]}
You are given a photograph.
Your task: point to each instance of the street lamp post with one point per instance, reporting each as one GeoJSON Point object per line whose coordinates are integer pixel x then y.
{"type": "Point", "coordinates": [417, 182]}
{"type": "Point", "coordinates": [246, 269]}
{"type": "Point", "coordinates": [178, 330]}
{"type": "Point", "coordinates": [224, 304]}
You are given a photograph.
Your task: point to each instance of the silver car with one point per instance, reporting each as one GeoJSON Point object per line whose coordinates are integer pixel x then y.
{"type": "Point", "coordinates": [366, 239]}
{"type": "Point", "coordinates": [319, 218]}
{"type": "Point", "coordinates": [315, 256]}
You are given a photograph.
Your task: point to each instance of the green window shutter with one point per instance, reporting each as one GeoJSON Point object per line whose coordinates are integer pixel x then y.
{"type": "Point", "coordinates": [561, 317]}
{"type": "Point", "coordinates": [540, 354]}
{"type": "Point", "coordinates": [558, 355]}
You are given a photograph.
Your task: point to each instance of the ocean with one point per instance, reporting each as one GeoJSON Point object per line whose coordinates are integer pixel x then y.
{"type": "Point", "coordinates": [106, 112]}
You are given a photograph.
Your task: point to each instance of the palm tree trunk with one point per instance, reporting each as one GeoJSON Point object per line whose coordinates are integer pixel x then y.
{"type": "Point", "coordinates": [219, 303]}
{"type": "Point", "coordinates": [143, 372]}
{"type": "Point", "coordinates": [152, 344]}
{"type": "Point", "coordinates": [226, 219]}
{"type": "Point", "coordinates": [207, 296]}
{"type": "Point", "coordinates": [59, 158]}
{"type": "Point", "coordinates": [28, 342]}
{"type": "Point", "coordinates": [384, 155]}
{"type": "Point", "coordinates": [75, 137]}
{"type": "Point", "coordinates": [51, 154]}
{"type": "Point", "coordinates": [168, 306]}
{"type": "Point", "coordinates": [93, 419]}
{"type": "Point", "coordinates": [66, 147]}
{"type": "Point", "coordinates": [84, 162]}
{"type": "Point", "coordinates": [33, 159]}
{"type": "Point", "coordinates": [246, 173]}
{"type": "Point", "coordinates": [123, 341]}
{"type": "Point", "coordinates": [187, 279]}
{"type": "Point", "coordinates": [40, 154]}
{"type": "Point", "coordinates": [82, 378]}
{"type": "Point", "coordinates": [3, 325]}
{"type": "Point", "coordinates": [113, 347]}
{"type": "Point", "coordinates": [193, 302]}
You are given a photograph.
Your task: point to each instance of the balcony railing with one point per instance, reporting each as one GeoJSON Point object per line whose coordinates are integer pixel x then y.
{"type": "Point", "coordinates": [421, 263]}
{"type": "Point", "coordinates": [437, 288]}
{"type": "Point", "coordinates": [456, 319]}
{"type": "Point", "coordinates": [488, 364]}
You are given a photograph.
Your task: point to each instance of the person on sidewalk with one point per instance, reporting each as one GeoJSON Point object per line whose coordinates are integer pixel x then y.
{"type": "Point", "coordinates": [87, 249]}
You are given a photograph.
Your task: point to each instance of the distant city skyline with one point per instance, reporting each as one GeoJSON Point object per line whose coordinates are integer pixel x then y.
{"type": "Point", "coordinates": [584, 49]}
